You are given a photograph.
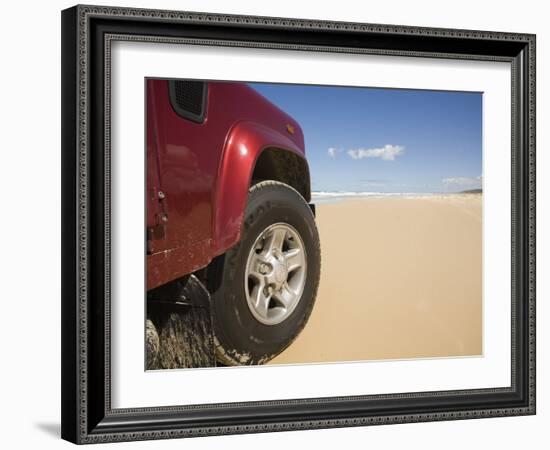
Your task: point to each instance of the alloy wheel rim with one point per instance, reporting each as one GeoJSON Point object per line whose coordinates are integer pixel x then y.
{"type": "Point", "coordinates": [275, 273]}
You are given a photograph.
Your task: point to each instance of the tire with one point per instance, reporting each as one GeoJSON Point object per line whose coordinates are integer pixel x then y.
{"type": "Point", "coordinates": [246, 331]}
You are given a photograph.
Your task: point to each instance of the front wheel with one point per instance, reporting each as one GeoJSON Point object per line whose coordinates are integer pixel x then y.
{"type": "Point", "coordinates": [264, 288]}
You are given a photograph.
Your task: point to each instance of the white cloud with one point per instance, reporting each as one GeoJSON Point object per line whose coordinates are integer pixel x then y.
{"type": "Point", "coordinates": [387, 153]}
{"type": "Point", "coordinates": [462, 181]}
{"type": "Point", "coordinates": [332, 152]}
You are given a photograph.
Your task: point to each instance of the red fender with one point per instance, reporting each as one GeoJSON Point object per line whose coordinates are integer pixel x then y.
{"type": "Point", "coordinates": [244, 144]}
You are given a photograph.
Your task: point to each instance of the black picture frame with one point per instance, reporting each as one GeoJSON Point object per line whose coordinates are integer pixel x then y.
{"type": "Point", "coordinates": [87, 416]}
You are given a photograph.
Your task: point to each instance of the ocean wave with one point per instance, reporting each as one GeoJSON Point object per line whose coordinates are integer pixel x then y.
{"type": "Point", "coordinates": [324, 194]}
{"type": "Point", "coordinates": [334, 197]}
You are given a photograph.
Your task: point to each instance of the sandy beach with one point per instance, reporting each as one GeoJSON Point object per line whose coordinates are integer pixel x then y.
{"type": "Point", "coordinates": [400, 278]}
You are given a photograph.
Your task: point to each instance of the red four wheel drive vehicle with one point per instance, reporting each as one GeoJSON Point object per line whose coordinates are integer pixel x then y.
{"type": "Point", "coordinates": [227, 199]}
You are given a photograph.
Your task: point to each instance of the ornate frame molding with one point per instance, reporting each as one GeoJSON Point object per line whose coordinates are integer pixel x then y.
{"type": "Point", "coordinates": [84, 422]}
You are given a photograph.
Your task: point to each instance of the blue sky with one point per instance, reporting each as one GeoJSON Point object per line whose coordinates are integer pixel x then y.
{"type": "Point", "coordinates": [386, 140]}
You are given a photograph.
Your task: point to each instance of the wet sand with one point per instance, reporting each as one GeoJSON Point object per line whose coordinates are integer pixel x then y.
{"type": "Point", "coordinates": [400, 278]}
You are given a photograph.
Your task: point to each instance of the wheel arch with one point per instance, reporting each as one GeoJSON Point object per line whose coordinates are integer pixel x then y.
{"type": "Point", "coordinates": [279, 164]}
{"type": "Point", "coordinates": [253, 152]}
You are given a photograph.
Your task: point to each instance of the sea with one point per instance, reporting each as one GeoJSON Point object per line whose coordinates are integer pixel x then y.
{"type": "Point", "coordinates": [320, 197]}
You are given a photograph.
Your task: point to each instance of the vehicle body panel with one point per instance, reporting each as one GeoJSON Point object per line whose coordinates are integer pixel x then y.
{"type": "Point", "coordinates": [246, 142]}
{"type": "Point", "coordinates": [198, 174]}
